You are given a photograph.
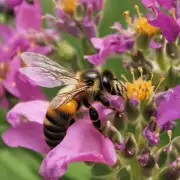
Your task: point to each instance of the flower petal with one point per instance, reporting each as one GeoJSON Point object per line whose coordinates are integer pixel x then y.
{"type": "Point", "coordinates": [82, 143]}
{"type": "Point", "coordinates": [20, 86]}
{"type": "Point", "coordinates": [169, 27]}
{"type": "Point", "coordinates": [168, 106]}
{"type": "Point", "coordinates": [28, 135]}
{"type": "Point", "coordinates": [28, 16]}
{"type": "Point", "coordinates": [32, 111]}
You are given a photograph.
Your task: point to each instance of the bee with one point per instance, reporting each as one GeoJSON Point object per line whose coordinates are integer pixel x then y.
{"type": "Point", "coordinates": [81, 88]}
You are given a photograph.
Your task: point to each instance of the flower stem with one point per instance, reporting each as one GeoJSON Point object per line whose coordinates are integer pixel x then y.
{"type": "Point", "coordinates": [160, 59]}
{"type": "Point", "coordinates": [135, 169]}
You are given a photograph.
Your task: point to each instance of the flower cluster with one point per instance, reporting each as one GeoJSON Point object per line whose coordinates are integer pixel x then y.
{"type": "Point", "coordinates": [146, 110]}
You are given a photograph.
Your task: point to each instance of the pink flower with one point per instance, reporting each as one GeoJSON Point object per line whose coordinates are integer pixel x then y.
{"type": "Point", "coordinates": [81, 143]}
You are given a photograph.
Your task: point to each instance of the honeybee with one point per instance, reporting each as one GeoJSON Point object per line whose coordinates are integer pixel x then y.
{"type": "Point", "coordinates": [81, 88]}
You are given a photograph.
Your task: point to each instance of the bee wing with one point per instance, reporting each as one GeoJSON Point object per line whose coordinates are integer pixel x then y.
{"type": "Point", "coordinates": [63, 98]}
{"type": "Point", "coordinates": [46, 72]}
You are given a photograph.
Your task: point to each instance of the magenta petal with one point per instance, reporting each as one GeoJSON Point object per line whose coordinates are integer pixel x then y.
{"type": "Point", "coordinates": [28, 16]}
{"type": "Point", "coordinates": [28, 135]}
{"type": "Point", "coordinates": [155, 45]}
{"type": "Point", "coordinates": [82, 143]}
{"type": "Point", "coordinates": [12, 3]}
{"type": "Point", "coordinates": [168, 106]}
{"type": "Point", "coordinates": [40, 49]}
{"type": "Point", "coordinates": [32, 111]}
{"type": "Point", "coordinates": [6, 32]}
{"type": "Point", "coordinates": [169, 27]}
{"type": "Point", "coordinates": [20, 86]}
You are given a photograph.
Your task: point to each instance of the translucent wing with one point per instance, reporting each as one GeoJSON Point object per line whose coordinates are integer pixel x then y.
{"type": "Point", "coordinates": [63, 98]}
{"type": "Point", "coordinates": [46, 72]}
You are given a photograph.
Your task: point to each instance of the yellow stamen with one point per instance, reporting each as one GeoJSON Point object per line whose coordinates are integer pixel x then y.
{"type": "Point", "coordinates": [141, 71]}
{"type": "Point", "coordinates": [54, 2]}
{"type": "Point", "coordinates": [128, 18]}
{"type": "Point", "coordinates": [68, 6]}
{"type": "Point", "coordinates": [139, 88]}
{"type": "Point", "coordinates": [142, 25]}
{"type": "Point", "coordinates": [137, 10]}
{"type": "Point", "coordinates": [169, 132]}
{"type": "Point", "coordinates": [160, 82]}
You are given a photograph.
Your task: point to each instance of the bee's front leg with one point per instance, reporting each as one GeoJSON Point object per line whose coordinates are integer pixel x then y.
{"type": "Point", "coordinates": [104, 101]}
{"type": "Point", "coordinates": [94, 116]}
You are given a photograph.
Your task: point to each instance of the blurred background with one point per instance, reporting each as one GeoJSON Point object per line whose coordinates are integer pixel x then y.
{"type": "Point", "coordinates": [23, 164]}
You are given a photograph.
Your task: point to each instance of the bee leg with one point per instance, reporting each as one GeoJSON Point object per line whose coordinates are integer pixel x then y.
{"type": "Point", "coordinates": [94, 116]}
{"type": "Point", "coordinates": [104, 101]}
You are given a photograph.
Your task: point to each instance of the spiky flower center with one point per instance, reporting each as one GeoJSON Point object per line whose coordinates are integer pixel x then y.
{"type": "Point", "coordinates": [143, 26]}
{"type": "Point", "coordinates": [139, 89]}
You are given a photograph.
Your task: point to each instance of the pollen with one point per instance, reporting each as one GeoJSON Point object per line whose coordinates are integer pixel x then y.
{"type": "Point", "coordinates": [68, 6]}
{"type": "Point", "coordinates": [139, 89]}
{"type": "Point", "coordinates": [142, 26]}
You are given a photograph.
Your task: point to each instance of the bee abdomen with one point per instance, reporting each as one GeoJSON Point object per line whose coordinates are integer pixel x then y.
{"type": "Point", "coordinates": [57, 122]}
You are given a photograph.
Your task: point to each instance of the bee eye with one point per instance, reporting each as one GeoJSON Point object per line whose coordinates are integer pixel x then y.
{"type": "Point", "coordinates": [89, 82]}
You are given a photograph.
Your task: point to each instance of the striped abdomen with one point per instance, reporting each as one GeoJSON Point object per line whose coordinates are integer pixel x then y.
{"type": "Point", "coordinates": [57, 121]}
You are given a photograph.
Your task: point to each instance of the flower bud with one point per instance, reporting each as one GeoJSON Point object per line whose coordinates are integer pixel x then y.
{"type": "Point", "coordinates": [66, 51]}
{"type": "Point", "coordinates": [149, 110]}
{"type": "Point", "coordinates": [146, 159]}
{"type": "Point", "coordinates": [172, 50]}
{"type": "Point", "coordinates": [170, 173]}
{"type": "Point", "coordinates": [132, 110]}
{"type": "Point", "coordinates": [125, 173]}
{"type": "Point", "coordinates": [151, 133]}
{"type": "Point", "coordinates": [173, 77]}
{"type": "Point", "coordinates": [120, 121]}
{"type": "Point", "coordinates": [142, 41]}
{"type": "Point", "coordinates": [130, 147]}
{"type": "Point", "coordinates": [113, 133]}
{"type": "Point", "coordinates": [162, 156]}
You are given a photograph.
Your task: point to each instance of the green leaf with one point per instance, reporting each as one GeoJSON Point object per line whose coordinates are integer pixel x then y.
{"type": "Point", "coordinates": [101, 170]}
{"type": "Point", "coordinates": [78, 171]}
{"type": "Point", "coordinates": [125, 174]}
{"type": "Point", "coordinates": [19, 164]}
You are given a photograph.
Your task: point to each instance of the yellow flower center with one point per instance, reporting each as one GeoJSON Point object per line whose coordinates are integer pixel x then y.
{"type": "Point", "coordinates": [139, 89]}
{"type": "Point", "coordinates": [143, 27]}
{"type": "Point", "coordinates": [141, 24]}
{"type": "Point", "coordinates": [68, 6]}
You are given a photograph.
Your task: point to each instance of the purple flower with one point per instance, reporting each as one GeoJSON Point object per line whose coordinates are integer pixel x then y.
{"type": "Point", "coordinates": [81, 143]}
{"type": "Point", "coordinates": [67, 21]}
{"type": "Point", "coordinates": [13, 3]}
{"type": "Point", "coordinates": [27, 36]}
{"type": "Point", "coordinates": [151, 134]}
{"type": "Point", "coordinates": [28, 16]}
{"type": "Point", "coordinates": [168, 104]}
{"type": "Point", "coordinates": [26, 119]}
{"type": "Point", "coordinates": [167, 4]}
{"type": "Point", "coordinates": [168, 25]}
{"type": "Point", "coordinates": [114, 43]}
